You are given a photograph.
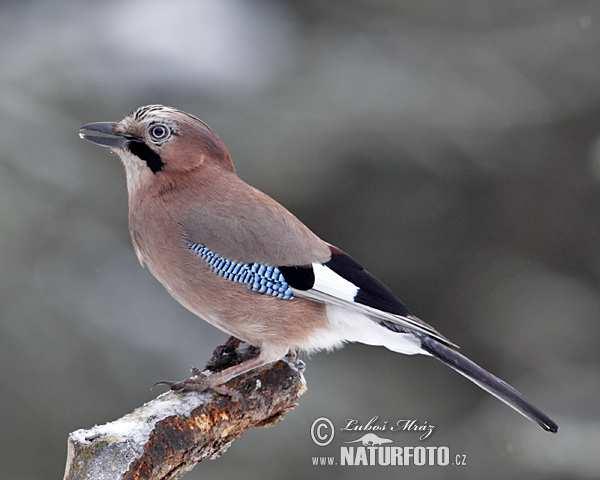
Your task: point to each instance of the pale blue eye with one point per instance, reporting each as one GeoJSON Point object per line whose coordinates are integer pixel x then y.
{"type": "Point", "coordinates": [159, 132]}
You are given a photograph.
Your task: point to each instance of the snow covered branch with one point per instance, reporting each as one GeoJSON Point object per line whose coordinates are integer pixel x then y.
{"type": "Point", "coordinates": [168, 436]}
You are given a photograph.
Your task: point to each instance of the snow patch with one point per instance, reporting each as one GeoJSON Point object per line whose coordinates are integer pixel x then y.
{"type": "Point", "coordinates": [137, 425]}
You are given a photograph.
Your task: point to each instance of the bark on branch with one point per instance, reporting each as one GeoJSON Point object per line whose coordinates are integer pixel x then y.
{"type": "Point", "coordinates": [168, 436]}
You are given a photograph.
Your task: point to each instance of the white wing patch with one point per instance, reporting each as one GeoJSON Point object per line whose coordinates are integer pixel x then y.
{"type": "Point", "coordinates": [331, 288]}
{"type": "Point", "coordinates": [327, 281]}
{"type": "Point", "coordinates": [353, 326]}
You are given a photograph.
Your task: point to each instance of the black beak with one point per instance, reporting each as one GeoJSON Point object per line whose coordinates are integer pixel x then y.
{"type": "Point", "coordinates": [103, 134]}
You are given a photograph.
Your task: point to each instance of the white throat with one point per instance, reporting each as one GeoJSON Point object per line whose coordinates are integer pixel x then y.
{"type": "Point", "coordinates": [137, 172]}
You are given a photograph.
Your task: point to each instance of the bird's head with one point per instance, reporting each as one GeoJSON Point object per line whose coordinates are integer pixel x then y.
{"type": "Point", "coordinates": [155, 141]}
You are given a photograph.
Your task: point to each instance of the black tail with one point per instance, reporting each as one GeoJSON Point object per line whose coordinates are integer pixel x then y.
{"type": "Point", "coordinates": [489, 382]}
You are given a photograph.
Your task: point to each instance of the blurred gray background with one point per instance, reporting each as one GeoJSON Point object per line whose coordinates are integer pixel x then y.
{"type": "Point", "coordinates": [453, 148]}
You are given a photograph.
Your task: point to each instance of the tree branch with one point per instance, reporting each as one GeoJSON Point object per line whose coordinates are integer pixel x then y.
{"type": "Point", "coordinates": [169, 435]}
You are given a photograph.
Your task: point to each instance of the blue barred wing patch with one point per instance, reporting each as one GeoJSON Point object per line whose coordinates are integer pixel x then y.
{"type": "Point", "coordinates": [259, 277]}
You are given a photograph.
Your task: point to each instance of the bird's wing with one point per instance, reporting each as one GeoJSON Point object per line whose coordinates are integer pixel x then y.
{"type": "Point", "coordinates": [250, 238]}
{"type": "Point", "coordinates": [243, 224]}
{"type": "Point", "coordinates": [344, 282]}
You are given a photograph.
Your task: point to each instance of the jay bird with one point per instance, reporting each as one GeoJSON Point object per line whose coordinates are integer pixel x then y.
{"type": "Point", "coordinates": [238, 259]}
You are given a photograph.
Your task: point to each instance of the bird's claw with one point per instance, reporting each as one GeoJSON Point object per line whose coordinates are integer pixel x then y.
{"type": "Point", "coordinates": [198, 382]}
{"type": "Point", "coordinates": [293, 361]}
{"type": "Point", "coordinates": [161, 383]}
{"type": "Point", "coordinates": [292, 356]}
{"type": "Point", "coordinates": [201, 382]}
{"type": "Point", "coordinates": [300, 365]}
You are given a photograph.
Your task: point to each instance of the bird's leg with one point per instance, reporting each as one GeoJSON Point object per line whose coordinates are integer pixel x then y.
{"type": "Point", "coordinates": [201, 381]}
{"type": "Point", "coordinates": [292, 355]}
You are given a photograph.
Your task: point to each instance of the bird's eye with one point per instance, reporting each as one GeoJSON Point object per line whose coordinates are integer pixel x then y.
{"type": "Point", "coordinates": [159, 132]}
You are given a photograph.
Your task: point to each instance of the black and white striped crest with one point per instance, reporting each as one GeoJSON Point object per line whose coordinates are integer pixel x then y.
{"type": "Point", "coordinates": [143, 112]}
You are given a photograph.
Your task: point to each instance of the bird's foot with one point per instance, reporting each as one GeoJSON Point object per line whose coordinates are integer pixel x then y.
{"type": "Point", "coordinates": [292, 356]}
{"type": "Point", "coordinates": [200, 381]}
{"type": "Point", "coordinates": [293, 361]}
{"type": "Point", "coordinates": [300, 365]}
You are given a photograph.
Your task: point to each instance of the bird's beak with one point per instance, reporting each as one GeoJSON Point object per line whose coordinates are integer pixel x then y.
{"type": "Point", "coordinates": [103, 134]}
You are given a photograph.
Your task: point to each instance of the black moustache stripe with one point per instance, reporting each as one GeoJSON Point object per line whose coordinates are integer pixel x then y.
{"type": "Point", "coordinates": [145, 153]}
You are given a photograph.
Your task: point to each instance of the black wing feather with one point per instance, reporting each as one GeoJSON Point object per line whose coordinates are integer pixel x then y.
{"type": "Point", "coordinates": [371, 291]}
